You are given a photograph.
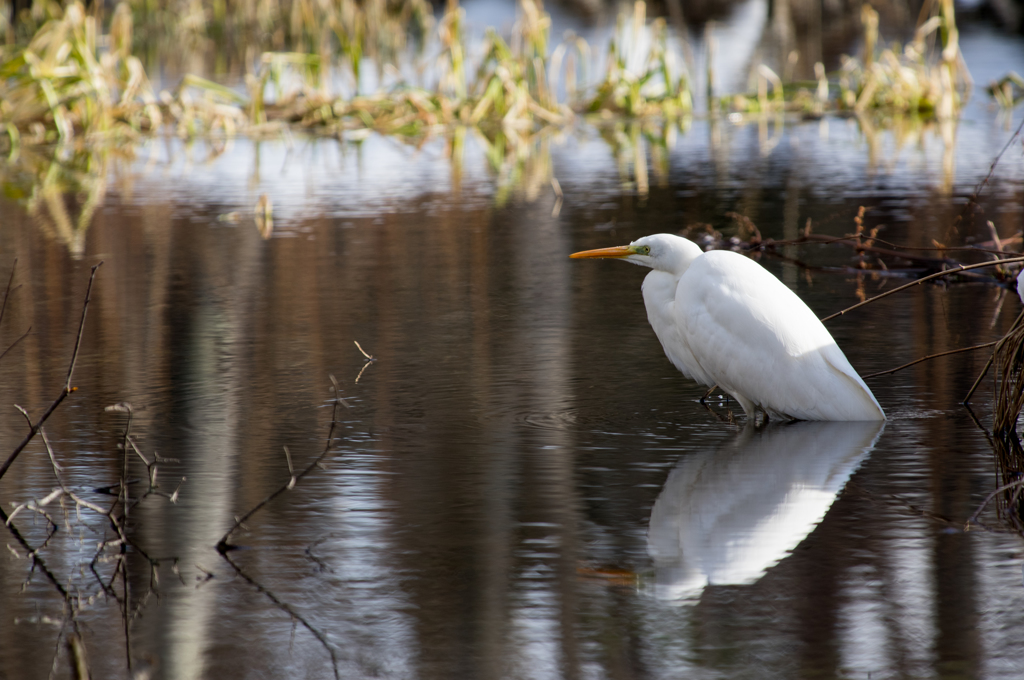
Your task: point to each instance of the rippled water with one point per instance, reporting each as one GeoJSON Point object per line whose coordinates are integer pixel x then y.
{"type": "Point", "coordinates": [521, 485]}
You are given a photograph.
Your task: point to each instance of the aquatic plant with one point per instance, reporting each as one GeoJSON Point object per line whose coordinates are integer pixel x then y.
{"type": "Point", "coordinates": [921, 78]}
{"type": "Point", "coordinates": [61, 85]}
{"type": "Point", "coordinates": [70, 83]}
{"type": "Point", "coordinates": [658, 87]}
{"type": "Point", "coordinates": [1008, 91]}
{"type": "Point", "coordinates": [912, 79]}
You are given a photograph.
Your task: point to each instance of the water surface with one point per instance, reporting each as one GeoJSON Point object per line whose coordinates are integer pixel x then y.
{"type": "Point", "coordinates": [520, 485]}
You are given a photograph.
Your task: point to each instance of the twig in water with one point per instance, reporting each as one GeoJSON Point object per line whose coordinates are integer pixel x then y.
{"type": "Point", "coordinates": [361, 370]}
{"type": "Point", "coordinates": [288, 609]}
{"type": "Point", "coordinates": [209, 575]}
{"type": "Point", "coordinates": [557, 188]}
{"type": "Point", "coordinates": [369, 357]}
{"type": "Point", "coordinates": [11, 346]}
{"type": "Point", "coordinates": [1009, 380]}
{"type": "Point", "coordinates": [988, 364]}
{"type": "Point", "coordinates": [223, 546]}
{"type": "Point", "coordinates": [988, 499]}
{"type": "Point", "coordinates": [923, 279]}
{"type": "Point", "coordinates": [857, 241]}
{"type": "Point", "coordinates": [973, 200]}
{"type": "Point", "coordinates": [931, 356]}
{"type": "Point", "coordinates": [76, 649]}
{"type": "Point", "coordinates": [68, 389]}
{"type": "Point", "coordinates": [3, 308]}
{"type": "Point", "coordinates": [7, 291]}
{"type": "Point", "coordinates": [33, 554]}
{"type": "Point", "coordinates": [369, 360]}
{"type": "Point", "coordinates": [81, 327]}
{"type": "Point", "coordinates": [291, 470]}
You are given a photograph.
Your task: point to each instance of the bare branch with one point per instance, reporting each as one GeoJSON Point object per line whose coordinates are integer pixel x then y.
{"type": "Point", "coordinates": [68, 389]}
{"type": "Point", "coordinates": [931, 356]}
{"type": "Point", "coordinates": [223, 546]}
{"type": "Point", "coordinates": [988, 499]}
{"type": "Point", "coordinates": [81, 326]}
{"type": "Point", "coordinates": [288, 609]}
{"type": "Point", "coordinates": [22, 337]}
{"type": "Point", "coordinates": [7, 291]}
{"type": "Point", "coordinates": [369, 357]}
{"type": "Point", "coordinates": [947, 272]}
{"type": "Point", "coordinates": [988, 364]}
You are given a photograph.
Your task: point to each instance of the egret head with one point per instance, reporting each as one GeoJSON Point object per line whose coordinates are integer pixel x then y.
{"type": "Point", "coordinates": [664, 252]}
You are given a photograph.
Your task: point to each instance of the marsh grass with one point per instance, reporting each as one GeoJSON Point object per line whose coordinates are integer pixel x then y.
{"type": "Point", "coordinates": [309, 69]}
{"type": "Point", "coordinates": [1009, 364]}
{"type": "Point", "coordinates": [73, 78]}
{"type": "Point", "coordinates": [1008, 91]}
{"type": "Point", "coordinates": [926, 77]}
{"type": "Point", "coordinates": [61, 84]}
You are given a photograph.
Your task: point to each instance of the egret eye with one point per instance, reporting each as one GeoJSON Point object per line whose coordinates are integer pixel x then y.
{"type": "Point", "coordinates": [644, 250]}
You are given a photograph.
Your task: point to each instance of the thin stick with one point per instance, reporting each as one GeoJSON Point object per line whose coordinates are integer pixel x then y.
{"type": "Point", "coordinates": [80, 664]}
{"type": "Point", "coordinates": [288, 609]}
{"type": "Point", "coordinates": [988, 499]}
{"type": "Point", "coordinates": [7, 291]}
{"type": "Point", "coordinates": [557, 188]}
{"type": "Point", "coordinates": [931, 356]}
{"type": "Point", "coordinates": [81, 325]}
{"type": "Point", "coordinates": [369, 357]}
{"type": "Point", "coordinates": [223, 546]}
{"type": "Point", "coordinates": [64, 392]}
{"type": "Point", "coordinates": [126, 585]}
{"type": "Point", "coordinates": [24, 335]}
{"type": "Point", "coordinates": [125, 493]}
{"type": "Point", "coordinates": [947, 272]}
{"type": "Point", "coordinates": [988, 364]}
{"type": "Point", "coordinates": [977, 382]}
{"type": "Point", "coordinates": [360, 375]}
{"type": "Point", "coordinates": [822, 239]}
{"type": "Point", "coordinates": [991, 170]}
{"type": "Point", "coordinates": [34, 554]}
{"type": "Point", "coordinates": [291, 469]}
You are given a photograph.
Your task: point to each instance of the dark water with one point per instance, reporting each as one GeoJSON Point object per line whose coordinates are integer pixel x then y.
{"type": "Point", "coordinates": [521, 486]}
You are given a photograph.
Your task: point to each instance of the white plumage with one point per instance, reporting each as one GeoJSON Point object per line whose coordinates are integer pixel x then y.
{"type": "Point", "coordinates": [725, 320]}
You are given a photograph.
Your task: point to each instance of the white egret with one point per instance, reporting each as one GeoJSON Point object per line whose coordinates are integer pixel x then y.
{"type": "Point", "coordinates": [725, 320]}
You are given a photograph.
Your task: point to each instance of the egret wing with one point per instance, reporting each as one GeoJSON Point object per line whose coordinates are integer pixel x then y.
{"type": "Point", "coordinates": [756, 339]}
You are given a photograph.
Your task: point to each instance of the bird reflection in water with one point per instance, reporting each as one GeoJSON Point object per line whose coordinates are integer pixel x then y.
{"type": "Point", "coordinates": [725, 516]}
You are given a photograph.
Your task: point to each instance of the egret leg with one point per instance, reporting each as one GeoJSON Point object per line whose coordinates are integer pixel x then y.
{"type": "Point", "coordinates": [707, 394]}
{"type": "Point", "coordinates": [749, 408]}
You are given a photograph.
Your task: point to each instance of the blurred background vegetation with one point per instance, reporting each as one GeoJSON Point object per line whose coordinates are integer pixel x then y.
{"type": "Point", "coordinates": [82, 85]}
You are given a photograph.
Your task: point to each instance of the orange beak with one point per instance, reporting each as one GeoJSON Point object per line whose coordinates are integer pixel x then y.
{"type": "Point", "coordinates": [613, 252]}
